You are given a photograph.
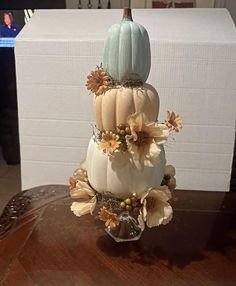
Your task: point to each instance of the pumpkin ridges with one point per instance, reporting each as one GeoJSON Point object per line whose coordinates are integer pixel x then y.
{"type": "Point", "coordinates": [119, 60]}
{"type": "Point", "coordinates": [98, 115]}
{"type": "Point", "coordinates": [117, 173]}
{"type": "Point", "coordinates": [115, 37]}
{"type": "Point", "coordinates": [125, 47]}
{"type": "Point", "coordinates": [109, 115]}
{"type": "Point", "coordinates": [147, 62]}
{"type": "Point", "coordinates": [125, 102]}
{"type": "Point", "coordinates": [134, 42]}
{"type": "Point", "coordinates": [113, 107]}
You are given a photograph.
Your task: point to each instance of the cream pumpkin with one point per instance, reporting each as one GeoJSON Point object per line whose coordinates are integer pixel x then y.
{"type": "Point", "coordinates": [115, 105]}
{"type": "Point", "coordinates": [118, 175]}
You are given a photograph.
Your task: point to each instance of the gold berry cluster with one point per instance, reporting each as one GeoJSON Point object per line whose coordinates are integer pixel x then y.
{"type": "Point", "coordinates": [123, 130]}
{"type": "Point", "coordinates": [131, 204]}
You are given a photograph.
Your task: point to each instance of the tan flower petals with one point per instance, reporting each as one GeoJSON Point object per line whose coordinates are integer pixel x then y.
{"type": "Point", "coordinates": [145, 139]}
{"type": "Point", "coordinates": [109, 143]}
{"type": "Point", "coordinates": [169, 175]}
{"type": "Point", "coordinates": [72, 183]}
{"type": "Point", "coordinates": [111, 219]}
{"type": "Point", "coordinates": [169, 170]}
{"type": "Point", "coordinates": [156, 209]}
{"type": "Point", "coordinates": [82, 208]}
{"type": "Point", "coordinates": [83, 191]}
{"type": "Point", "coordinates": [98, 81]}
{"type": "Point", "coordinates": [174, 121]}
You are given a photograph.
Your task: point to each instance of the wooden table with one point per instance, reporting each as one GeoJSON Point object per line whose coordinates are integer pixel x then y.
{"type": "Point", "coordinates": [43, 243]}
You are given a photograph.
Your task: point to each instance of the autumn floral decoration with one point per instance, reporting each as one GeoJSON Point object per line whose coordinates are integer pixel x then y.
{"type": "Point", "coordinates": [98, 81]}
{"type": "Point", "coordinates": [141, 138]}
{"type": "Point", "coordinates": [152, 208]}
{"type": "Point", "coordinates": [174, 121]}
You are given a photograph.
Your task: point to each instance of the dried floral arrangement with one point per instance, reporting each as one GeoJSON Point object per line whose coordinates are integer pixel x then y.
{"type": "Point", "coordinates": [142, 140]}
{"type": "Point", "coordinates": [100, 81]}
{"type": "Point", "coordinates": [125, 179]}
{"type": "Point", "coordinates": [151, 209]}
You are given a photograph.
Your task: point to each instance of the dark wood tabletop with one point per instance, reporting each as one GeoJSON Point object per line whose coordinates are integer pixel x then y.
{"type": "Point", "coordinates": [43, 243]}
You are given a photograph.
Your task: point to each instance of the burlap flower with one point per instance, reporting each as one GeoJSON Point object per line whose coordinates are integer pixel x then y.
{"type": "Point", "coordinates": [156, 210]}
{"type": "Point", "coordinates": [169, 177]}
{"type": "Point", "coordinates": [109, 142]}
{"type": "Point", "coordinates": [79, 175]}
{"type": "Point", "coordinates": [86, 193]}
{"type": "Point", "coordinates": [174, 121]}
{"type": "Point", "coordinates": [145, 139]}
{"type": "Point", "coordinates": [80, 189]}
{"type": "Point", "coordinates": [98, 81]}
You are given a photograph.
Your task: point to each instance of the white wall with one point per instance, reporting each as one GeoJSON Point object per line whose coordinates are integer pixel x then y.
{"type": "Point", "coordinates": [193, 68]}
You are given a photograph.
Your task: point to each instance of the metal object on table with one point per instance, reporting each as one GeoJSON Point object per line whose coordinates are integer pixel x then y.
{"type": "Point", "coordinates": [80, 6]}
{"type": "Point", "coordinates": [89, 5]}
{"type": "Point", "coordinates": [99, 4]}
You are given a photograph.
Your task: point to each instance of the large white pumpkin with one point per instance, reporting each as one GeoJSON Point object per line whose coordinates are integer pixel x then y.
{"type": "Point", "coordinates": [118, 175]}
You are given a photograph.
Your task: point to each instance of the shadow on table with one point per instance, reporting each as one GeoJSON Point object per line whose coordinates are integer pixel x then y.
{"type": "Point", "coordinates": [189, 237]}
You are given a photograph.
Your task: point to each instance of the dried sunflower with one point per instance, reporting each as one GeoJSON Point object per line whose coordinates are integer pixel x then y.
{"type": "Point", "coordinates": [110, 218]}
{"type": "Point", "coordinates": [174, 121]}
{"type": "Point", "coordinates": [72, 183]}
{"type": "Point", "coordinates": [109, 142]}
{"type": "Point", "coordinates": [98, 81]}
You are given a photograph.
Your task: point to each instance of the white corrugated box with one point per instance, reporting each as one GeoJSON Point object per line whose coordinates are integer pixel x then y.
{"type": "Point", "coordinates": [193, 69]}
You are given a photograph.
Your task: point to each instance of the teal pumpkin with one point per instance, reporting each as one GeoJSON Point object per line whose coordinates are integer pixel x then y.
{"type": "Point", "coordinates": [127, 54]}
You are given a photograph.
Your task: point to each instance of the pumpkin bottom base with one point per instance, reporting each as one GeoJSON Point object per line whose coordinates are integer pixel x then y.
{"type": "Point", "coordinates": [118, 175]}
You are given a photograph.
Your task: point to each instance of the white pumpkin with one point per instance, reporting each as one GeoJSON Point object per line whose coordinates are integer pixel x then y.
{"type": "Point", "coordinates": [115, 105]}
{"type": "Point", "coordinates": [118, 175]}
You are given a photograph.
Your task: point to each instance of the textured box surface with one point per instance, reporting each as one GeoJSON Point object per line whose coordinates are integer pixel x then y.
{"type": "Point", "coordinates": [193, 69]}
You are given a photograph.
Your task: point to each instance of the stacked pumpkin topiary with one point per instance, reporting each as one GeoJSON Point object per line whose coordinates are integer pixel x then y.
{"type": "Point", "coordinates": [126, 157]}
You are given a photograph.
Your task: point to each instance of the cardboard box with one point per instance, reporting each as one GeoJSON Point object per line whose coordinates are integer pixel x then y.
{"type": "Point", "coordinates": [193, 69]}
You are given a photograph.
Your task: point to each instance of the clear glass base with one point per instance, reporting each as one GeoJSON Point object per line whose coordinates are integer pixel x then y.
{"type": "Point", "coordinates": [127, 230]}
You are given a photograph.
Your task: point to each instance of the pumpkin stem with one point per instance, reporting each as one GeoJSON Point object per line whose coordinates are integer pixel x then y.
{"type": "Point", "coordinates": [127, 15]}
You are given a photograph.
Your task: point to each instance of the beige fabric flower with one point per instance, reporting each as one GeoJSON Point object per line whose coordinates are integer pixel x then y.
{"type": "Point", "coordinates": [82, 191]}
{"type": "Point", "coordinates": [169, 175]}
{"type": "Point", "coordinates": [156, 209]}
{"type": "Point", "coordinates": [79, 175]}
{"type": "Point", "coordinates": [169, 170]}
{"type": "Point", "coordinates": [174, 121]}
{"type": "Point", "coordinates": [145, 139]}
{"type": "Point", "coordinates": [72, 183]}
{"type": "Point", "coordinates": [82, 208]}
{"type": "Point", "coordinates": [141, 221]}
{"type": "Point", "coordinates": [109, 142]}
{"type": "Point", "coordinates": [85, 192]}
{"type": "Point", "coordinates": [172, 184]}
{"type": "Point", "coordinates": [98, 81]}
